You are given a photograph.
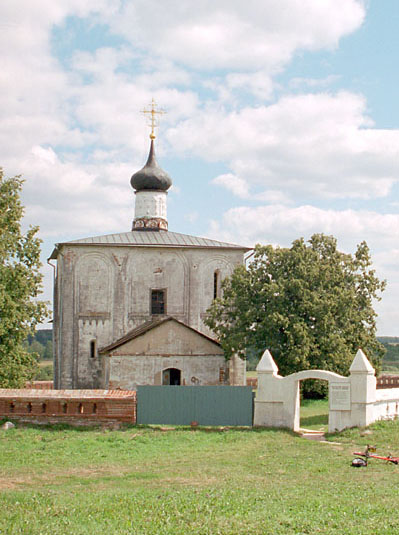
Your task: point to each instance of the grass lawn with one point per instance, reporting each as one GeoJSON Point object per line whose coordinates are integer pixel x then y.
{"type": "Point", "coordinates": [314, 414]}
{"type": "Point", "coordinates": [46, 364]}
{"type": "Point", "coordinates": [148, 481]}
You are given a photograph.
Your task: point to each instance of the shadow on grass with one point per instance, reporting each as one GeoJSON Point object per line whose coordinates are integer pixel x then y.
{"type": "Point", "coordinates": [126, 427]}
{"type": "Point", "coordinates": [317, 419]}
{"type": "Point", "coordinates": [50, 427]}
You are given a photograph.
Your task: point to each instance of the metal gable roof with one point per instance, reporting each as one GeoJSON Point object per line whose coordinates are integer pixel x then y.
{"type": "Point", "coordinates": [137, 238]}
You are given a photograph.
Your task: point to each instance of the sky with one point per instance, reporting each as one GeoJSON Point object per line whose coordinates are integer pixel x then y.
{"type": "Point", "coordinates": [282, 120]}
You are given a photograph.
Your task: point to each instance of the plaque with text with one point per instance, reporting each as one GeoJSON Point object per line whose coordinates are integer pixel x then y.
{"type": "Point", "coordinates": [340, 397]}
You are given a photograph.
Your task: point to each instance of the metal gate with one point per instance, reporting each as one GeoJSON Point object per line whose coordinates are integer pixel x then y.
{"type": "Point", "coordinates": [207, 405]}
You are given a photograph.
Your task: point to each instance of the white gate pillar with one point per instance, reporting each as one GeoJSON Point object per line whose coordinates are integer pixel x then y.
{"type": "Point", "coordinates": [269, 403]}
{"type": "Point", "coordinates": [363, 390]}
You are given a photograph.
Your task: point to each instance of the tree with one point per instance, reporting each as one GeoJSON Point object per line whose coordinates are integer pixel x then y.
{"type": "Point", "coordinates": [48, 351]}
{"type": "Point", "coordinates": [37, 348]}
{"type": "Point", "coordinates": [311, 305]}
{"type": "Point", "coordinates": [20, 284]}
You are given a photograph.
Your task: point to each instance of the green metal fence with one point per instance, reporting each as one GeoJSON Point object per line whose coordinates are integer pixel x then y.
{"type": "Point", "coordinates": [207, 405]}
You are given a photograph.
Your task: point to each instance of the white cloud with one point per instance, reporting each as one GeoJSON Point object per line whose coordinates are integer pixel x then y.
{"type": "Point", "coordinates": [313, 82]}
{"type": "Point", "coordinates": [230, 87]}
{"type": "Point", "coordinates": [76, 136]}
{"type": "Point", "coordinates": [51, 107]}
{"type": "Point", "coordinates": [233, 34]}
{"type": "Point", "coordinates": [46, 155]}
{"type": "Point", "coordinates": [75, 198]}
{"type": "Point", "coordinates": [318, 145]}
{"type": "Point", "coordinates": [236, 185]}
{"type": "Point", "coordinates": [240, 188]}
{"type": "Point", "coordinates": [272, 196]}
{"type": "Point", "coordinates": [282, 224]}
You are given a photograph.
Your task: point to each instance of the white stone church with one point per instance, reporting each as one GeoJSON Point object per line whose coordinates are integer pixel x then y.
{"type": "Point", "coordinates": [129, 308]}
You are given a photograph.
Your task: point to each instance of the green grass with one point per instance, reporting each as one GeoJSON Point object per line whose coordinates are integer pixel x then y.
{"type": "Point", "coordinates": [314, 414]}
{"type": "Point", "coordinates": [46, 364]}
{"type": "Point", "coordinates": [147, 481]}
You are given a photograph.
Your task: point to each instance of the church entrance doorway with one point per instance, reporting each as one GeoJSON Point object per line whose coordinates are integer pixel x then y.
{"type": "Point", "coordinates": [171, 376]}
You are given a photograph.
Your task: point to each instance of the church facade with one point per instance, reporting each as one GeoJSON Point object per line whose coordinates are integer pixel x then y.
{"type": "Point", "coordinates": [129, 308]}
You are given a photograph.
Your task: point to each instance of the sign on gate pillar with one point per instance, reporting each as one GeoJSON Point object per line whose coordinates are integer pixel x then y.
{"type": "Point", "coordinates": [340, 396]}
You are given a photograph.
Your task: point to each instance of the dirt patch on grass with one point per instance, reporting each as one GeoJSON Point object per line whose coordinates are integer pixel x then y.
{"type": "Point", "coordinates": [59, 476]}
{"type": "Point", "coordinates": [13, 483]}
{"type": "Point", "coordinates": [188, 481]}
{"type": "Point", "coordinates": [93, 474]}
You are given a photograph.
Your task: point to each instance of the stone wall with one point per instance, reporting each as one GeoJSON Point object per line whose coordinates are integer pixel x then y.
{"type": "Point", "coordinates": [127, 372]}
{"type": "Point", "coordinates": [386, 406]}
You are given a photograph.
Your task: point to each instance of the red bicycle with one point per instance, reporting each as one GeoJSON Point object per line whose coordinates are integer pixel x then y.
{"type": "Point", "coordinates": [363, 458]}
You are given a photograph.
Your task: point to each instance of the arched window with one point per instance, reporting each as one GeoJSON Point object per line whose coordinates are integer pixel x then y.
{"type": "Point", "coordinates": [171, 376]}
{"type": "Point", "coordinates": [216, 284]}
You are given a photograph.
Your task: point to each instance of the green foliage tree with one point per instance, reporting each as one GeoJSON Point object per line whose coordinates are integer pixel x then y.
{"type": "Point", "coordinates": [20, 284]}
{"type": "Point", "coordinates": [310, 304]}
{"type": "Point", "coordinates": [37, 348]}
{"type": "Point", "coordinates": [42, 336]}
{"type": "Point", "coordinates": [48, 352]}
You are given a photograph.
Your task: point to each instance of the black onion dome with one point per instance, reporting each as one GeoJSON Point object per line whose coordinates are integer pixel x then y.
{"type": "Point", "coordinates": [151, 177]}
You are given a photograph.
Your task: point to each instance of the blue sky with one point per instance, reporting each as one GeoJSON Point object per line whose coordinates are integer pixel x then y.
{"type": "Point", "coordinates": [282, 119]}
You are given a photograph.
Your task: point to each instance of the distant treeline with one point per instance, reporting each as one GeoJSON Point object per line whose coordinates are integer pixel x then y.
{"type": "Point", "coordinates": [391, 357]}
{"type": "Point", "coordinates": [390, 361]}
{"type": "Point", "coordinates": [388, 339]}
{"type": "Point", "coordinates": [42, 344]}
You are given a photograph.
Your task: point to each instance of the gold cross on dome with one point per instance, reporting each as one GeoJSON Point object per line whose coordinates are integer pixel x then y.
{"type": "Point", "coordinates": [152, 113]}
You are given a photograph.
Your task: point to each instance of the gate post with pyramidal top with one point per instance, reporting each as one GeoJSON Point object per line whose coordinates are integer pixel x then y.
{"type": "Point", "coordinates": [269, 402]}
{"type": "Point", "coordinates": [363, 391]}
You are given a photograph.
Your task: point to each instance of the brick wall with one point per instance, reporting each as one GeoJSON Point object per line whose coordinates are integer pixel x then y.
{"type": "Point", "coordinates": [252, 381]}
{"type": "Point", "coordinates": [73, 406]}
{"type": "Point", "coordinates": [388, 381]}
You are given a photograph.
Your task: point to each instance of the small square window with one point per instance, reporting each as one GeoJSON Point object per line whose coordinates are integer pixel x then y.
{"type": "Point", "coordinates": [158, 302]}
